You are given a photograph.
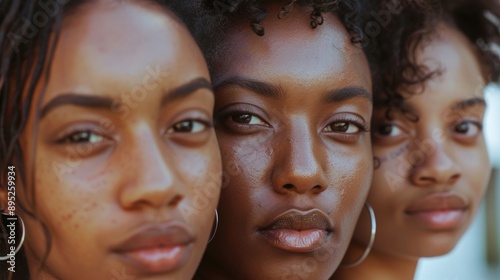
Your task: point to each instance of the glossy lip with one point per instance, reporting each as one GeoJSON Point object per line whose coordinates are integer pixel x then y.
{"type": "Point", "coordinates": [157, 248]}
{"type": "Point", "coordinates": [439, 211]}
{"type": "Point", "coordinates": [298, 231]}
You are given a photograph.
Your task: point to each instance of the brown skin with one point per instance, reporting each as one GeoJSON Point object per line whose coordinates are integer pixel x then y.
{"type": "Point", "coordinates": [280, 153]}
{"type": "Point", "coordinates": [456, 164]}
{"type": "Point", "coordinates": [137, 169]}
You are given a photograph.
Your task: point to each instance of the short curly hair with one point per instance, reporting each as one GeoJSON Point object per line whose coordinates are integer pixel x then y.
{"type": "Point", "coordinates": [397, 68]}
{"type": "Point", "coordinates": [348, 11]}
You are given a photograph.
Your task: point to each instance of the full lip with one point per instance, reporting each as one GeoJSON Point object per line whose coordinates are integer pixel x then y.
{"type": "Point", "coordinates": [157, 248]}
{"type": "Point", "coordinates": [298, 231]}
{"type": "Point", "coordinates": [437, 202]}
{"type": "Point", "coordinates": [439, 211]}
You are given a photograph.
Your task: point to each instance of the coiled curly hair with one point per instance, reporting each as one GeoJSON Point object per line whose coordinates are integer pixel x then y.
{"type": "Point", "coordinates": [26, 50]}
{"type": "Point", "coordinates": [348, 11]}
{"type": "Point", "coordinates": [396, 69]}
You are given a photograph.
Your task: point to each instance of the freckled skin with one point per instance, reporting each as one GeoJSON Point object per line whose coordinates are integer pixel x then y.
{"type": "Point", "coordinates": [458, 164]}
{"type": "Point", "coordinates": [289, 146]}
{"type": "Point", "coordinates": [141, 172]}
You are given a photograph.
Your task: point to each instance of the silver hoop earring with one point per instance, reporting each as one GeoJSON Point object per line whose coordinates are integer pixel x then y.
{"type": "Point", "coordinates": [372, 238]}
{"type": "Point", "coordinates": [216, 226]}
{"type": "Point", "coordinates": [4, 258]}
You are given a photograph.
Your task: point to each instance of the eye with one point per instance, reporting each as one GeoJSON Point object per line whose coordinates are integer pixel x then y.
{"type": "Point", "coordinates": [246, 118]}
{"type": "Point", "coordinates": [346, 125]}
{"type": "Point", "coordinates": [468, 128]}
{"type": "Point", "coordinates": [342, 127]}
{"type": "Point", "coordinates": [188, 126]}
{"type": "Point", "coordinates": [85, 136]}
{"type": "Point", "coordinates": [388, 130]}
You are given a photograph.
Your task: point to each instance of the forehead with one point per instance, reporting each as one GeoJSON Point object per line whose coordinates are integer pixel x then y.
{"type": "Point", "coordinates": [116, 41]}
{"type": "Point", "coordinates": [292, 48]}
{"type": "Point", "coordinates": [460, 77]}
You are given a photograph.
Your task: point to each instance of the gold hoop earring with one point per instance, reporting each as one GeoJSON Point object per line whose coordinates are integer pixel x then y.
{"type": "Point", "coordinates": [372, 238]}
{"type": "Point", "coordinates": [4, 258]}
{"type": "Point", "coordinates": [216, 226]}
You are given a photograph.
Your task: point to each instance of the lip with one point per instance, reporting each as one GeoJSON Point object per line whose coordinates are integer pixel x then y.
{"type": "Point", "coordinates": [298, 231]}
{"type": "Point", "coordinates": [157, 248]}
{"type": "Point", "coordinates": [439, 211]}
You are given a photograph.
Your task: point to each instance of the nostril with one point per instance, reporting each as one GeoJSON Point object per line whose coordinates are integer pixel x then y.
{"type": "Point", "coordinates": [455, 177]}
{"type": "Point", "coordinates": [317, 187]}
{"type": "Point", "coordinates": [175, 200]}
{"type": "Point", "coordinates": [288, 186]}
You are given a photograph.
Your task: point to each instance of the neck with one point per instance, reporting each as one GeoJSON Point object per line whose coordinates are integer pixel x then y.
{"type": "Point", "coordinates": [378, 266]}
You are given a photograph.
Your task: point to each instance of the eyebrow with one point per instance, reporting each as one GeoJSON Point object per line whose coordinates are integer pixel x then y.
{"type": "Point", "coordinates": [468, 103]}
{"type": "Point", "coordinates": [261, 88]}
{"type": "Point", "coordinates": [347, 93]}
{"type": "Point", "coordinates": [186, 90]}
{"type": "Point", "coordinates": [271, 91]}
{"type": "Point", "coordinates": [100, 102]}
{"type": "Point", "coordinates": [77, 100]}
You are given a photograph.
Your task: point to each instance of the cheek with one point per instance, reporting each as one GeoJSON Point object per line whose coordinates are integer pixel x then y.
{"type": "Point", "coordinates": [68, 201]}
{"type": "Point", "coordinates": [476, 172]}
{"type": "Point", "coordinates": [385, 187]}
{"type": "Point", "coordinates": [200, 172]}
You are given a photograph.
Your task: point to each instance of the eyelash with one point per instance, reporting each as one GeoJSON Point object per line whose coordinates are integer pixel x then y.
{"type": "Point", "coordinates": [351, 120]}
{"type": "Point", "coordinates": [205, 123]}
{"type": "Point", "coordinates": [66, 139]}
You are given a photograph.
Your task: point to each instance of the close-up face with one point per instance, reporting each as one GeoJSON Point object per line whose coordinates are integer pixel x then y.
{"type": "Point", "coordinates": [127, 167]}
{"type": "Point", "coordinates": [292, 112]}
{"type": "Point", "coordinates": [433, 172]}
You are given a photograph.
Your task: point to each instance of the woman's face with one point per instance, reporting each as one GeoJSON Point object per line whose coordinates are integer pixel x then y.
{"type": "Point", "coordinates": [292, 108]}
{"type": "Point", "coordinates": [127, 170]}
{"type": "Point", "coordinates": [433, 173]}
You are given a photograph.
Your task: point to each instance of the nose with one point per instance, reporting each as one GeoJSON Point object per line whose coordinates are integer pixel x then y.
{"type": "Point", "coordinates": [152, 179]}
{"type": "Point", "coordinates": [436, 168]}
{"type": "Point", "coordinates": [299, 163]}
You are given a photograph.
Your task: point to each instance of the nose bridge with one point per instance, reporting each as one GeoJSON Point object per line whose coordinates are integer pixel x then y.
{"type": "Point", "coordinates": [300, 166]}
{"type": "Point", "coordinates": [303, 159]}
{"type": "Point", "coordinates": [155, 179]}
{"type": "Point", "coordinates": [433, 161]}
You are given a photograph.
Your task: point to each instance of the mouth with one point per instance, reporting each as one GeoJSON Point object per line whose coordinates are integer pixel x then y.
{"type": "Point", "coordinates": [298, 231]}
{"type": "Point", "coordinates": [439, 211]}
{"type": "Point", "coordinates": [159, 248]}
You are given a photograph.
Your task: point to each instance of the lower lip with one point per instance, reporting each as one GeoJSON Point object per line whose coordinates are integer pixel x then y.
{"type": "Point", "coordinates": [296, 241]}
{"type": "Point", "coordinates": [440, 219]}
{"type": "Point", "coordinates": [158, 260]}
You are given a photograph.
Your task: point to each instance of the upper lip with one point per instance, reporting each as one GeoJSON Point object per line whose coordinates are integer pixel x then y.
{"type": "Point", "coordinates": [437, 202]}
{"type": "Point", "coordinates": [300, 220]}
{"type": "Point", "coordinates": [156, 235]}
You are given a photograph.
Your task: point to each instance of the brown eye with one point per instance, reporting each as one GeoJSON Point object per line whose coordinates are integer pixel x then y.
{"type": "Point", "coordinates": [245, 118]}
{"type": "Point", "coordinates": [82, 137]}
{"type": "Point", "coordinates": [342, 127]}
{"type": "Point", "coordinates": [188, 126]}
{"type": "Point", "coordinates": [388, 130]}
{"type": "Point", "coordinates": [468, 128]}
{"type": "Point", "coordinates": [242, 118]}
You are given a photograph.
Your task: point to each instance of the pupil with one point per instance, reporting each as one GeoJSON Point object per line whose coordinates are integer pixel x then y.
{"type": "Point", "coordinates": [385, 130]}
{"type": "Point", "coordinates": [80, 137]}
{"type": "Point", "coordinates": [243, 118]}
{"type": "Point", "coordinates": [342, 127]}
{"type": "Point", "coordinates": [184, 126]}
{"type": "Point", "coordinates": [463, 127]}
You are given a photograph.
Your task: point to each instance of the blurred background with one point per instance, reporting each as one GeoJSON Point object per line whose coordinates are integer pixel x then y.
{"type": "Point", "coordinates": [477, 256]}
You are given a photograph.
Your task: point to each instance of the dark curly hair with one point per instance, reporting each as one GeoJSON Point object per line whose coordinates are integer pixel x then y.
{"type": "Point", "coordinates": [27, 29]}
{"type": "Point", "coordinates": [348, 11]}
{"type": "Point", "coordinates": [397, 70]}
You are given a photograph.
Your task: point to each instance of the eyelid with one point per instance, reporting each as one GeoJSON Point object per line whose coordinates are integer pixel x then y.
{"type": "Point", "coordinates": [242, 108]}
{"type": "Point", "coordinates": [351, 119]}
